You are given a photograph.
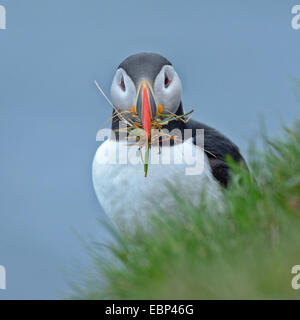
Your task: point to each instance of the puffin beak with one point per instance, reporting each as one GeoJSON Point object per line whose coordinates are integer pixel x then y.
{"type": "Point", "coordinates": [146, 107]}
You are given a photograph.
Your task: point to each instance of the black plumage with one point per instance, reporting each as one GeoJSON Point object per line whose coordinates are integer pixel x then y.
{"type": "Point", "coordinates": [216, 145]}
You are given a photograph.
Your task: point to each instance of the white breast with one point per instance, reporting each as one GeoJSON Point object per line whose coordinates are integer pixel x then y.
{"type": "Point", "coordinates": [127, 196]}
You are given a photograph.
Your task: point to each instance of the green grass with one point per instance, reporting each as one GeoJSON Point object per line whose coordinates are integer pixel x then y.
{"type": "Point", "coordinates": [245, 250]}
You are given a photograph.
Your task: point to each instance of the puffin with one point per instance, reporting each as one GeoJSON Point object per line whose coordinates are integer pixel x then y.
{"type": "Point", "coordinates": [147, 90]}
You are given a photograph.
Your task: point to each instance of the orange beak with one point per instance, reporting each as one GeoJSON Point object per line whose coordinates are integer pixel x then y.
{"type": "Point", "coordinates": [146, 113]}
{"type": "Point", "coordinates": [146, 106]}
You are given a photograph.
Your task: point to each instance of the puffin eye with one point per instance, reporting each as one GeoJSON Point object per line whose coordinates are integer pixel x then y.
{"type": "Point", "coordinates": [167, 81]}
{"type": "Point", "coordinates": [122, 84]}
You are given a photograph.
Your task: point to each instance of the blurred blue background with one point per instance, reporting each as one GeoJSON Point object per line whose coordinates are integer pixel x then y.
{"type": "Point", "coordinates": [236, 60]}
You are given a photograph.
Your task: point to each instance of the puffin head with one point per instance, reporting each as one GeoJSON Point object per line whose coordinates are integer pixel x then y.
{"type": "Point", "coordinates": [146, 83]}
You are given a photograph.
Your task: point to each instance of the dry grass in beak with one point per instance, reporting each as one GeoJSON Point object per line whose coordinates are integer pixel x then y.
{"type": "Point", "coordinates": [134, 128]}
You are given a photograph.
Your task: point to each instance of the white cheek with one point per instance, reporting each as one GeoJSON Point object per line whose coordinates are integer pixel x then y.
{"type": "Point", "coordinates": [169, 97]}
{"type": "Point", "coordinates": [173, 94]}
{"type": "Point", "coordinates": [123, 99]}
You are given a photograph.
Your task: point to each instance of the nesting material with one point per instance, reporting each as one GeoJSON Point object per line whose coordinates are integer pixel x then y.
{"type": "Point", "coordinates": [135, 132]}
